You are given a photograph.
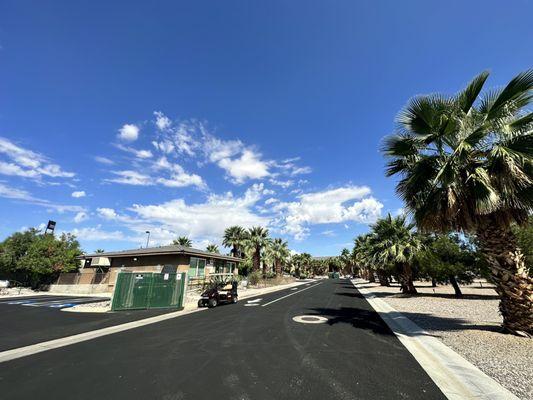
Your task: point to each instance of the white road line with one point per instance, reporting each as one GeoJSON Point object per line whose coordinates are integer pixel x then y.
{"type": "Point", "coordinates": [82, 337]}
{"type": "Point", "coordinates": [251, 305]}
{"type": "Point", "coordinates": [290, 294]}
{"type": "Point", "coordinates": [294, 288]}
{"type": "Point", "coordinates": [254, 301]}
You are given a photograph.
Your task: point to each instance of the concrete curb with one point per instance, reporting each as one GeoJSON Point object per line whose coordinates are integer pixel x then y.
{"type": "Point", "coordinates": [457, 378]}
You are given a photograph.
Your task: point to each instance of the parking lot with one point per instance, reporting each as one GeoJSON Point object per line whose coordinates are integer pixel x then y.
{"type": "Point", "coordinates": [30, 320]}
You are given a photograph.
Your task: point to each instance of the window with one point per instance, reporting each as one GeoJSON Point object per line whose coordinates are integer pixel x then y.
{"type": "Point", "coordinates": [231, 266]}
{"type": "Point", "coordinates": [197, 267]}
{"type": "Point", "coordinates": [219, 266]}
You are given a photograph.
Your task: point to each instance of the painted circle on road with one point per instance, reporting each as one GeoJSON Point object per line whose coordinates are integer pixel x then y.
{"type": "Point", "coordinates": [310, 319]}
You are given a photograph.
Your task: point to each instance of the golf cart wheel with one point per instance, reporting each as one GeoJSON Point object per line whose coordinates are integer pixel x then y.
{"type": "Point", "coordinates": [200, 303]}
{"type": "Point", "coordinates": [212, 303]}
{"type": "Point", "coordinates": [234, 299]}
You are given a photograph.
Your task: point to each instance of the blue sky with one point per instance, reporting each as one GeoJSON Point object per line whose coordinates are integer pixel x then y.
{"type": "Point", "coordinates": [185, 117]}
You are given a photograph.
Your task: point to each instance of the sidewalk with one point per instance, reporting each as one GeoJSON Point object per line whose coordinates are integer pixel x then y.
{"type": "Point", "coordinates": [457, 375]}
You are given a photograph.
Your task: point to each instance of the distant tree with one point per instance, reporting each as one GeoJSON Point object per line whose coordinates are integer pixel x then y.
{"type": "Point", "coordinates": [34, 258]}
{"type": "Point", "coordinates": [98, 251]}
{"type": "Point", "coordinates": [212, 248]}
{"type": "Point", "coordinates": [280, 253]}
{"type": "Point", "coordinates": [256, 239]}
{"type": "Point", "coordinates": [183, 241]}
{"type": "Point", "coordinates": [234, 237]}
{"type": "Point", "coordinates": [446, 259]}
{"type": "Point", "coordinates": [393, 243]}
{"type": "Point", "coordinates": [524, 238]}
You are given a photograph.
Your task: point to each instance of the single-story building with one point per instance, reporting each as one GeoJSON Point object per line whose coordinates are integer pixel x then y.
{"type": "Point", "coordinates": [102, 268]}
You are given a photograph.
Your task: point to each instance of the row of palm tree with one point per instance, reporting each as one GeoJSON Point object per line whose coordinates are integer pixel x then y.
{"type": "Point", "coordinates": [465, 164]}
{"type": "Point", "coordinates": [256, 244]}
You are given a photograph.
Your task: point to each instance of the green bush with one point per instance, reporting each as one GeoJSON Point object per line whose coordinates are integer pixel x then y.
{"type": "Point", "coordinates": [254, 278]}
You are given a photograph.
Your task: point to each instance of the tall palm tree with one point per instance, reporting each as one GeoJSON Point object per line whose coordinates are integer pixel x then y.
{"type": "Point", "coordinates": [346, 260]}
{"type": "Point", "coordinates": [212, 248]}
{"type": "Point", "coordinates": [393, 243]}
{"type": "Point", "coordinates": [256, 239]}
{"type": "Point", "coordinates": [362, 257]}
{"type": "Point", "coordinates": [183, 241]}
{"type": "Point", "coordinates": [280, 253]}
{"type": "Point", "coordinates": [234, 237]}
{"type": "Point", "coordinates": [466, 164]}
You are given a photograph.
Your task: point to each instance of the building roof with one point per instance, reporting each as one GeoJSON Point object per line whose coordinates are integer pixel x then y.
{"type": "Point", "coordinates": [161, 250]}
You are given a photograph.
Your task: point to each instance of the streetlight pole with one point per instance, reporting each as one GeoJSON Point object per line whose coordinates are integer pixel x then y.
{"type": "Point", "coordinates": [147, 238]}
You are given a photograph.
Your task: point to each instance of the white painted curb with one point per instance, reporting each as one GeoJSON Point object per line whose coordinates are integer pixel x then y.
{"type": "Point", "coordinates": [457, 378]}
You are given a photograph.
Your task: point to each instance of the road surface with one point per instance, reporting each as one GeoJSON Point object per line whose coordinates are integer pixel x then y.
{"type": "Point", "coordinates": [250, 350]}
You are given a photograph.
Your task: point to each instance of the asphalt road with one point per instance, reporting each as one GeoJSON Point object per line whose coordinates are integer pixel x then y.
{"type": "Point", "coordinates": [22, 325]}
{"type": "Point", "coordinates": [235, 352]}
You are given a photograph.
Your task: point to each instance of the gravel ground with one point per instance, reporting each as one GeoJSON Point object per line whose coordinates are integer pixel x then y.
{"type": "Point", "coordinates": [470, 326]}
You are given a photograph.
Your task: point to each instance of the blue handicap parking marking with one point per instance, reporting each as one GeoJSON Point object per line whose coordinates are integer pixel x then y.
{"type": "Point", "coordinates": [64, 305]}
{"type": "Point", "coordinates": [21, 302]}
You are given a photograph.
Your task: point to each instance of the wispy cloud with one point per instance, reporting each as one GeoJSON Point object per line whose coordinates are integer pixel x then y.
{"type": "Point", "coordinates": [20, 194]}
{"type": "Point", "coordinates": [26, 163]}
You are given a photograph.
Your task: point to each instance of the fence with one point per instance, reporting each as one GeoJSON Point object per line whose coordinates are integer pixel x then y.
{"type": "Point", "coordinates": [134, 291]}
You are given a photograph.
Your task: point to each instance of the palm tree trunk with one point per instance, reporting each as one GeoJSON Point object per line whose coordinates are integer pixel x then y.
{"type": "Point", "coordinates": [383, 277]}
{"type": "Point", "coordinates": [508, 273]}
{"type": "Point", "coordinates": [278, 268]}
{"type": "Point", "coordinates": [405, 276]}
{"type": "Point", "coordinates": [256, 260]}
{"type": "Point", "coordinates": [370, 275]}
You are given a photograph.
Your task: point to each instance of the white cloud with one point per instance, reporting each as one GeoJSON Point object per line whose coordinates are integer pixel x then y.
{"type": "Point", "coordinates": [284, 184]}
{"type": "Point", "coordinates": [104, 160]}
{"type": "Point", "coordinates": [203, 221]}
{"type": "Point", "coordinates": [271, 201]}
{"type": "Point", "coordinates": [97, 234]}
{"type": "Point", "coordinates": [328, 233]}
{"type": "Point", "coordinates": [129, 177]}
{"type": "Point", "coordinates": [27, 163]}
{"type": "Point", "coordinates": [78, 194]}
{"type": "Point", "coordinates": [19, 194]}
{"type": "Point", "coordinates": [162, 122]}
{"type": "Point", "coordinates": [142, 154]}
{"type": "Point", "coordinates": [80, 217]}
{"type": "Point", "coordinates": [13, 193]}
{"type": "Point", "coordinates": [178, 176]}
{"type": "Point", "coordinates": [128, 132]}
{"type": "Point", "coordinates": [248, 166]}
{"type": "Point", "coordinates": [349, 203]}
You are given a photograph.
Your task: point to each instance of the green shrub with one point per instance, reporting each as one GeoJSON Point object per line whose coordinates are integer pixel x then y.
{"type": "Point", "coordinates": [254, 278]}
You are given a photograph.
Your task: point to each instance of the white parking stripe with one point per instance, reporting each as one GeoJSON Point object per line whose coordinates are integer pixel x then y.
{"type": "Point", "coordinates": [290, 294]}
{"type": "Point", "coordinates": [82, 337]}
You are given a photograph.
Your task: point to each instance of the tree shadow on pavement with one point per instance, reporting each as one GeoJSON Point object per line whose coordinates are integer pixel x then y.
{"type": "Point", "coordinates": [357, 317]}
{"type": "Point", "coordinates": [370, 320]}
{"type": "Point", "coordinates": [466, 296]}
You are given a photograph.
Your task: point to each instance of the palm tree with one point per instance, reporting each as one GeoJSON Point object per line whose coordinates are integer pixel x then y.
{"type": "Point", "coordinates": [212, 248]}
{"type": "Point", "coordinates": [256, 239]}
{"type": "Point", "coordinates": [234, 237]}
{"type": "Point", "coordinates": [393, 243]}
{"type": "Point", "coordinates": [362, 257]}
{"type": "Point", "coordinates": [466, 164]}
{"type": "Point", "coordinates": [346, 259]}
{"type": "Point", "coordinates": [183, 241]}
{"type": "Point", "coordinates": [280, 253]}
